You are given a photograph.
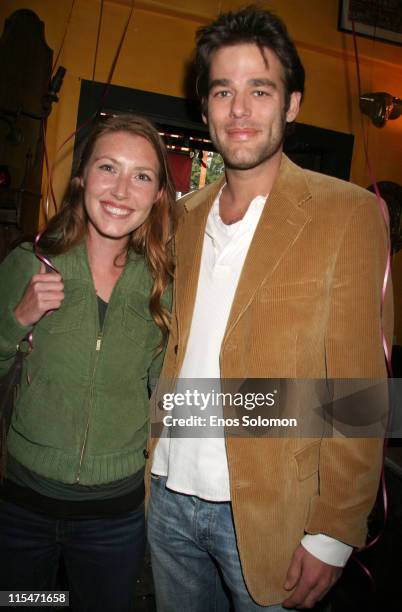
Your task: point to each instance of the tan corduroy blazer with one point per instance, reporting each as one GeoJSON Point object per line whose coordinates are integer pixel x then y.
{"type": "Point", "coordinates": [307, 306]}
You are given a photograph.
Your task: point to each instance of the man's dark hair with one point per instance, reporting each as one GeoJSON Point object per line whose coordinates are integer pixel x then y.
{"type": "Point", "coordinates": [250, 25]}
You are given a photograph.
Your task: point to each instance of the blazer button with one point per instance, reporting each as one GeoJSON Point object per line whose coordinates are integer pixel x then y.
{"type": "Point", "coordinates": [175, 349]}
{"type": "Point", "coordinates": [145, 453]}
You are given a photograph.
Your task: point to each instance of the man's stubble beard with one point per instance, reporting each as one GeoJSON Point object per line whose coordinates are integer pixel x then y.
{"type": "Point", "coordinates": [262, 153]}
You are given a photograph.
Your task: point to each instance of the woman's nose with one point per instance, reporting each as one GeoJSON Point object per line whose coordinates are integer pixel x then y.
{"type": "Point", "coordinates": [121, 186]}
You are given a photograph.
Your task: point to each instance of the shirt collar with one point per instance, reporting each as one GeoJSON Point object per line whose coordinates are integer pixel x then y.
{"type": "Point", "coordinates": [218, 231]}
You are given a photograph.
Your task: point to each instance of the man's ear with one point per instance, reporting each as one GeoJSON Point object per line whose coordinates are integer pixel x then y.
{"type": "Point", "coordinates": [204, 110]}
{"type": "Point", "coordinates": [294, 106]}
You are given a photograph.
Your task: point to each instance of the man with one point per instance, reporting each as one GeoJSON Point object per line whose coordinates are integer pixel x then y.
{"type": "Point", "coordinates": [274, 279]}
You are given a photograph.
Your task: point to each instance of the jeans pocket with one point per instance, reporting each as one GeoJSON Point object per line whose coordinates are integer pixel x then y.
{"type": "Point", "coordinates": [158, 484]}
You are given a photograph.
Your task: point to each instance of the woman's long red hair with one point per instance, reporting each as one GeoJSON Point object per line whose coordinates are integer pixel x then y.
{"type": "Point", "coordinates": [152, 239]}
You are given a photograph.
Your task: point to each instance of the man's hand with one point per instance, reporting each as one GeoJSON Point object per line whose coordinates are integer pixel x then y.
{"type": "Point", "coordinates": [311, 577]}
{"type": "Point", "coordinates": [44, 292]}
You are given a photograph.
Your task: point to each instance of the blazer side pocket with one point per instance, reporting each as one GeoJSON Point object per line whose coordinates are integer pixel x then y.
{"type": "Point", "coordinates": [288, 291]}
{"type": "Point", "coordinates": [307, 460]}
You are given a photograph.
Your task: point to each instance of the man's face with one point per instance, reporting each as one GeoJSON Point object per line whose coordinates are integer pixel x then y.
{"type": "Point", "coordinates": [246, 112]}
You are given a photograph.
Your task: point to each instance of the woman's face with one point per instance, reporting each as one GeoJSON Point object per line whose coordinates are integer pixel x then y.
{"type": "Point", "coordinates": [121, 183]}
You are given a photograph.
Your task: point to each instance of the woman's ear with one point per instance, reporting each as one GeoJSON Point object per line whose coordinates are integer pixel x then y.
{"type": "Point", "coordinates": [159, 194]}
{"type": "Point", "coordinates": [162, 192]}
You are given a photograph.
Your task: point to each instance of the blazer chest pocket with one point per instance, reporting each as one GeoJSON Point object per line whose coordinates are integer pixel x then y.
{"type": "Point", "coordinates": [307, 461]}
{"type": "Point", "coordinates": [137, 319]}
{"type": "Point", "coordinates": [69, 316]}
{"type": "Point", "coordinates": [289, 291]}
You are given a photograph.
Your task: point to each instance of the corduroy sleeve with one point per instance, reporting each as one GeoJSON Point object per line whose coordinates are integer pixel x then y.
{"type": "Point", "coordinates": [349, 468]}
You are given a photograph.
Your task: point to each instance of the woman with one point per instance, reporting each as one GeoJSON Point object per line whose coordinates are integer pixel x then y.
{"type": "Point", "coordinates": [76, 445]}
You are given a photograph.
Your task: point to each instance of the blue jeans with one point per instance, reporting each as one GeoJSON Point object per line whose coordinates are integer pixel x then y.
{"type": "Point", "coordinates": [194, 555]}
{"type": "Point", "coordinates": [102, 557]}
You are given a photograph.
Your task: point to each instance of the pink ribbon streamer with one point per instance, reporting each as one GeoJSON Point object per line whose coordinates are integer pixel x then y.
{"type": "Point", "coordinates": [46, 261]}
{"type": "Point", "coordinates": [383, 210]}
{"type": "Point", "coordinates": [387, 352]}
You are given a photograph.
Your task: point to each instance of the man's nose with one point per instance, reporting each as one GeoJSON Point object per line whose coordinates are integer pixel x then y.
{"type": "Point", "coordinates": [240, 105]}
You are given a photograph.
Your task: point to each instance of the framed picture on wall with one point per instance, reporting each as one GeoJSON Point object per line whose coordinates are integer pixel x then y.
{"type": "Point", "coordinates": [379, 19]}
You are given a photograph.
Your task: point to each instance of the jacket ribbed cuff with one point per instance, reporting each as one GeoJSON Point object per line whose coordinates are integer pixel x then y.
{"type": "Point", "coordinates": [12, 333]}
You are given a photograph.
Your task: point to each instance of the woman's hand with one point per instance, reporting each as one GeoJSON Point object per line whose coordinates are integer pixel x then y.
{"type": "Point", "coordinates": [45, 292]}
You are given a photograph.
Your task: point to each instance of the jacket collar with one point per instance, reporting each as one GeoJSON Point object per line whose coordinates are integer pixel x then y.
{"type": "Point", "coordinates": [280, 225]}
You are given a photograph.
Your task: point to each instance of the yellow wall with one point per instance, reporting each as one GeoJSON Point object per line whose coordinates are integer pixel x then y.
{"type": "Point", "coordinates": [160, 41]}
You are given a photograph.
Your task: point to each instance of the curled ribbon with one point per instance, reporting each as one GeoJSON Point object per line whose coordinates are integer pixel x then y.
{"type": "Point", "coordinates": [387, 352]}
{"type": "Point", "coordinates": [49, 267]}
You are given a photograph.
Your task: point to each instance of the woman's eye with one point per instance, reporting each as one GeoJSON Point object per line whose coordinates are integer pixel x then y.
{"type": "Point", "coordinates": [106, 167]}
{"type": "Point", "coordinates": [143, 177]}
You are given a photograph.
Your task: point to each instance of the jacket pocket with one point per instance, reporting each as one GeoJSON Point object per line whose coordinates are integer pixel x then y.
{"type": "Point", "coordinates": [69, 316]}
{"type": "Point", "coordinates": [307, 460]}
{"type": "Point", "coordinates": [302, 289]}
{"type": "Point", "coordinates": [137, 319]}
{"type": "Point", "coordinates": [29, 395]}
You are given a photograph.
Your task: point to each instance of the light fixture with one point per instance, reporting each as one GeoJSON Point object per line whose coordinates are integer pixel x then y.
{"type": "Point", "coordinates": [380, 106]}
{"type": "Point", "coordinates": [14, 135]}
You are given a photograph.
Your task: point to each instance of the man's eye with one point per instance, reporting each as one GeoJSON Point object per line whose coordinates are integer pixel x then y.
{"type": "Point", "coordinates": [222, 94]}
{"type": "Point", "coordinates": [260, 93]}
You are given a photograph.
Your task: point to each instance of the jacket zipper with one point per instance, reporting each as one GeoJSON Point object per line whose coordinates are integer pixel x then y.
{"type": "Point", "coordinates": [98, 346]}
{"type": "Point", "coordinates": [84, 442]}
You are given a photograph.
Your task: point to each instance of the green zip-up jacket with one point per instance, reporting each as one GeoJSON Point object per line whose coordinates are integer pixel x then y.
{"type": "Point", "coordinates": [82, 411]}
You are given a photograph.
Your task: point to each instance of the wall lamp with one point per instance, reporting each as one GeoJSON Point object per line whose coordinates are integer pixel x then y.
{"type": "Point", "coordinates": [14, 135]}
{"type": "Point", "coordinates": [380, 106]}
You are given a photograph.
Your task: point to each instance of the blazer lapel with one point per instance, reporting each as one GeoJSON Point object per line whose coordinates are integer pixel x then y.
{"type": "Point", "coordinates": [281, 223]}
{"type": "Point", "coordinates": [189, 243]}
